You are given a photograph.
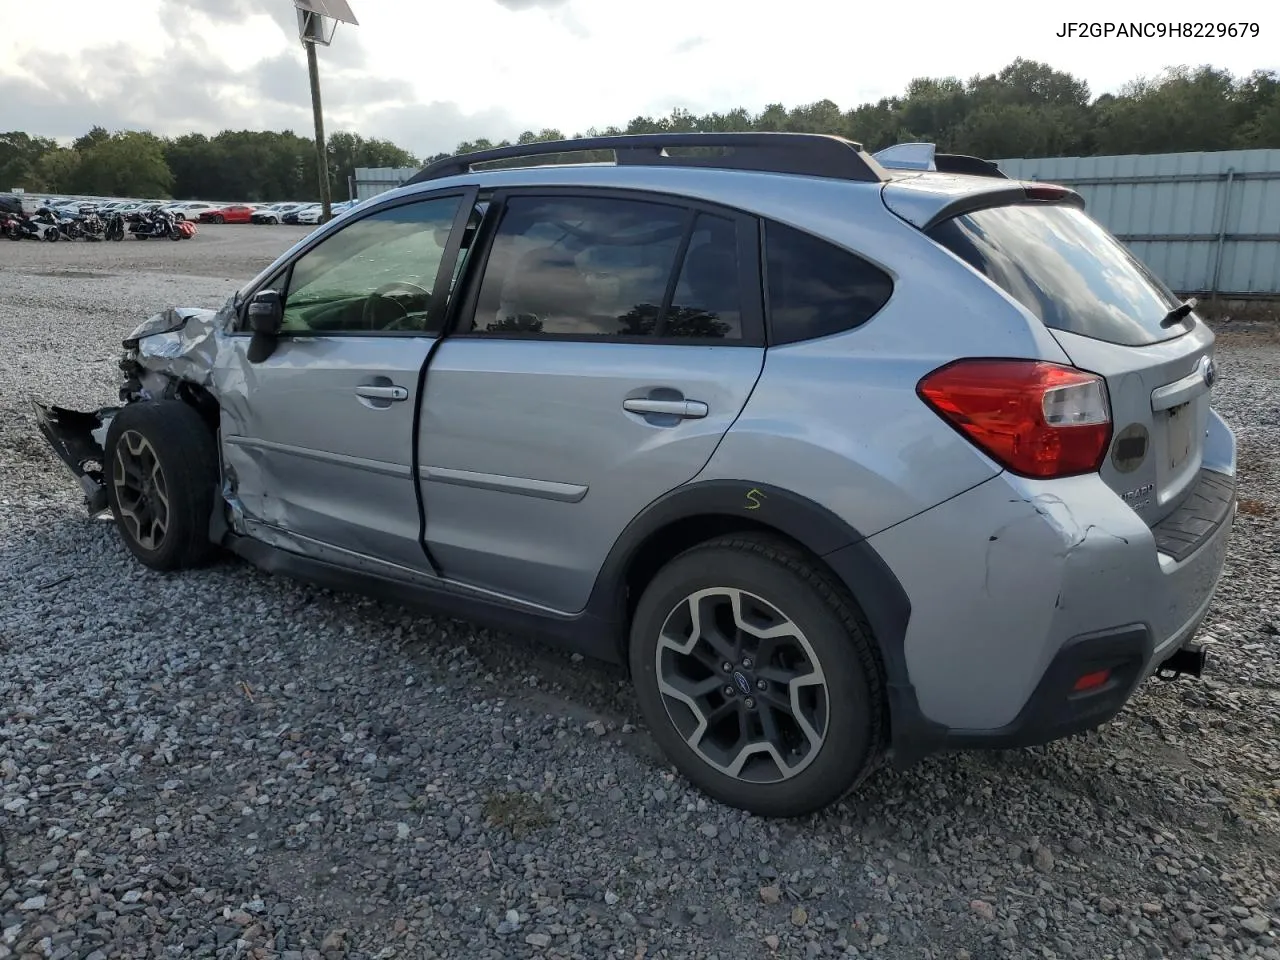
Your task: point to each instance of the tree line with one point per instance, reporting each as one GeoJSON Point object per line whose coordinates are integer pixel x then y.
{"type": "Point", "coordinates": [1028, 109]}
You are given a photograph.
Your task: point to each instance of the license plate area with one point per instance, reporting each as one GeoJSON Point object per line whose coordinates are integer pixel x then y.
{"type": "Point", "coordinates": [1180, 428]}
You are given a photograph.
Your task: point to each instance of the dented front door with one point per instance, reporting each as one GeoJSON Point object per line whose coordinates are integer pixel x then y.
{"type": "Point", "coordinates": [317, 439]}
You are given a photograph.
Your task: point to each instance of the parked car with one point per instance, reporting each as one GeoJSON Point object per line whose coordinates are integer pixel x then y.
{"type": "Point", "coordinates": [231, 213]}
{"type": "Point", "coordinates": [310, 215]}
{"type": "Point", "coordinates": [832, 455]}
{"type": "Point", "coordinates": [295, 215]}
{"type": "Point", "coordinates": [191, 209]}
{"type": "Point", "coordinates": [272, 212]}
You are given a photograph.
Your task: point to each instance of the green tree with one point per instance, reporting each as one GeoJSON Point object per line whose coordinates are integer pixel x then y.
{"type": "Point", "coordinates": [126, 164]}
{"type": "Point", "coordinates": [20, 160]}
{"type": "Point", "coordinates": [58, 170]}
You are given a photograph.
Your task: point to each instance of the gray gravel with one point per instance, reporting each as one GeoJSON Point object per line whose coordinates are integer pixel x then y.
{"type": "Point", "coordinates": [226, 764]}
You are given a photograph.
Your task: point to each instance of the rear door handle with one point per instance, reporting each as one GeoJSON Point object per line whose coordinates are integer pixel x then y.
{"type": "Point", "coordinates": [382, 393]}
{"type": "Point", "coordinates": [685, 409]}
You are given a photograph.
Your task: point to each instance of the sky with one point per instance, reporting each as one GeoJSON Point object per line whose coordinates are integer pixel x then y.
{"type": "Point", "coordinates": [428, 74]}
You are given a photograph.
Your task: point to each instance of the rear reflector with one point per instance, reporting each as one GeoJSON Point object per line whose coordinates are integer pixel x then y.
{"type": "Point", "coordinates": [1091, 681]}
{"type": "Point", "coordinates": [1037, 419]}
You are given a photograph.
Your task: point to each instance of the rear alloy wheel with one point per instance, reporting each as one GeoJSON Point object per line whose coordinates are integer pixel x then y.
{"type": "Point", "coordinates": [758, 677]}
{"type": "Point", "coordinates": [163, 474]}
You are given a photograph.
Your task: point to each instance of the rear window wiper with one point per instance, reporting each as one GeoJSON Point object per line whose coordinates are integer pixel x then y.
{"type": "Point", "coordinates": [1178, 313]}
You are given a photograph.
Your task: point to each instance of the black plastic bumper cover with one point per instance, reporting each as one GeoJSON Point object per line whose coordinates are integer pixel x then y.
{"type": "Point", "coordinates": [1055, 710]}
{"type": "Point", "coordinates": [69, 433]}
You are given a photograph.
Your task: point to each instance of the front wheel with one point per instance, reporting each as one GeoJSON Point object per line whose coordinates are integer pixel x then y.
{"type": "Point", "coordinates": [219, 218]}
{"type": "Point", "coordinates": [163, 478]}
{"type": "Point", "coordinates": [758, 676]}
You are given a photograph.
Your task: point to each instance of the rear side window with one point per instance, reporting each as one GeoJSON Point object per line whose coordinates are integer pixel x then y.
{"type": "Point", "coordinates": [817, 289]}
{"type": "Point", "coordinates": [1065, 268]}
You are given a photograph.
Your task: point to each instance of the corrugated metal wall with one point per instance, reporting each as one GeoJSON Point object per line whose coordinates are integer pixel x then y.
{"type": "Point", "coordinates": [371, 181]}
{"type": "Point", "coordinates": [1204, 222]}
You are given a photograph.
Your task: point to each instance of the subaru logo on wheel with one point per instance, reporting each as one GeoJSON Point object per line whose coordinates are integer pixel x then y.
{"type": "Point", "coordinates": [1208, 371]}
{"type": "Point", "coordinates": [743, 684]}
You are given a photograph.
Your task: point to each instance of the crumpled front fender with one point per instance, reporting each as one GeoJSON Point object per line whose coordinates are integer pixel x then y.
{"type": "Point", "coordinates": [179, 345]}
{"type": "Point", "coordinates": [181, 342]}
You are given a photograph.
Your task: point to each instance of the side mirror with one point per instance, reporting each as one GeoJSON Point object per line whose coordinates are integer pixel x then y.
{"type": "Point", "coordinates": [266, 316]}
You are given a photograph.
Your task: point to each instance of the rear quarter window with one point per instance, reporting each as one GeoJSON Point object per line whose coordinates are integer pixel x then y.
{"type": "Point", "coordinates": [1065, 268]}
{"type": "Point", "coordinates": [816, 288]}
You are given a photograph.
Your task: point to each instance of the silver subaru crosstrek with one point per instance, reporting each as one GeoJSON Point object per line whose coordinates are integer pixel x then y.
{"type": "Point", "coordinates": [840, 457]}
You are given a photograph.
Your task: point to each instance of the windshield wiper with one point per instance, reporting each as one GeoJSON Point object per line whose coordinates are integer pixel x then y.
{"type": "Point", "coordinates": [1178, 313]}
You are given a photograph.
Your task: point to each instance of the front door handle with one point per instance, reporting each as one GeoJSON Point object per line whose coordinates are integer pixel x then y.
{"type": "Point", "coordinates": [685, 409]}
{"type": "Point", "coordinates": [371, 392]}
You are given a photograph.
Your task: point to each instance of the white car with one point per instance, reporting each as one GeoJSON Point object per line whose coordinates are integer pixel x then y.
{"type": "Point", "coordinates": [273, 212]}
{"type": "Point", "coordinates": [310, 215]}
{"type": "Point", "coordinates": [191, 209]}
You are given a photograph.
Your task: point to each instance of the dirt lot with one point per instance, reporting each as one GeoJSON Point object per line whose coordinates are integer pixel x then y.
{"type": "Point", "coordinates": [226, 764]}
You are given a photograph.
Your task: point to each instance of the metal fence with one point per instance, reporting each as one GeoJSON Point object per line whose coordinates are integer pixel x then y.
{"type": "Point", "coordinates": [371, 181]}
{"type": "Point", "coordinates": [1206, 223]}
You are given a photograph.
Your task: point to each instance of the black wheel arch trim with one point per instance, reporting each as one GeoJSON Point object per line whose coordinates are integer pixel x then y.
{"type": "Point", "coordinates": [843, 548]}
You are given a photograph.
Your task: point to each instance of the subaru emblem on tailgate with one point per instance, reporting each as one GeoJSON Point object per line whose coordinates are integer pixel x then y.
{"type": "Point", "coordinates": [1208, 371]}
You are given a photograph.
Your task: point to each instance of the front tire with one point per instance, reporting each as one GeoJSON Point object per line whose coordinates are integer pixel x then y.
{"type": "Point", "coordinates": [758, 676]}
{"type": "Point", "coordinates": [162, 479]}
{"type": "Point", "coordinates": [219, 218]}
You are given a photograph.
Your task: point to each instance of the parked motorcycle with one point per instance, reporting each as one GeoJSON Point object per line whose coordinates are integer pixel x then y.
{"type": "Point", "coordinates": [156, 223]}
{"type": "Point", "coordinates": [9, 227]}
{"type": "Point", "coordinates": [42, 226]}
{"type": "Point", "coordinates": [114, 229]}
{"type": "Point", "coordinates": [93, 228]}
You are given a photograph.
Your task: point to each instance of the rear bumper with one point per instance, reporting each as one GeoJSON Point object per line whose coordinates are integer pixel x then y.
{"type": "Point", "coordinates": [1055, 710]}
{"type": "Point", "coordinates": [1018, 588]}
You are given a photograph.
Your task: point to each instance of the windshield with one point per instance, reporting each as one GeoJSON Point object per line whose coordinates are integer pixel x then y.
{"type": "Point", "coordinates": [1064, 267]}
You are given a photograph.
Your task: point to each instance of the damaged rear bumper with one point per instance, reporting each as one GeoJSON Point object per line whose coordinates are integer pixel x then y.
{"type": "Point", "coordinates": [78, 439]}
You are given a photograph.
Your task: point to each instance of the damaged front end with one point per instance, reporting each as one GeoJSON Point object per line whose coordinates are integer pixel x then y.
{"type": "Point", "coordinates": [169, 356]}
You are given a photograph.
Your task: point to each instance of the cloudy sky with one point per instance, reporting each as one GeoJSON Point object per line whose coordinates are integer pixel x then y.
{"type": "Point", "coordinates": [429, 74]}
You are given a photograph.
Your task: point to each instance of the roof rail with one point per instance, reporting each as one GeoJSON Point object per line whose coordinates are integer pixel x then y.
{"type": "Point", "coordinates": [807, 154]}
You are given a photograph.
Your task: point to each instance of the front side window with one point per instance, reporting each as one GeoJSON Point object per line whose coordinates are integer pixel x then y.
{"type": "Point", "coordinates": [603, 267]}
{"type": "Point", "coordinates": [373, 275]}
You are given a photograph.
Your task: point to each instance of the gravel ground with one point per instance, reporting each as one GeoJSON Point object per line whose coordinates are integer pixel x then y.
{"type": "Point", "coordinates": [226, 764]}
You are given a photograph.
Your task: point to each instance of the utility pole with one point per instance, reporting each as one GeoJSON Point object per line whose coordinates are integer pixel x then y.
{"type": "Point", "coordinates": [317, 22]}
{"type": "Point", "coordinates": [322, 153]}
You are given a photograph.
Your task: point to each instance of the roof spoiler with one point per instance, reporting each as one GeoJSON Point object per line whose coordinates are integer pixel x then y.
{"type": "Point", "coordinates": [924, 156]}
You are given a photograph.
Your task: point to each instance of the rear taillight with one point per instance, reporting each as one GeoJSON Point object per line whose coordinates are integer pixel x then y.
{"type": "Point", "coordinates": [1034, 418]}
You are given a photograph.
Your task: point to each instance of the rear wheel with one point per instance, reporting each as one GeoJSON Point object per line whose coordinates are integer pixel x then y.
{"type": "Point", "coordinates": [757, 674]}
{"type": "Point", "coordinates": [162, 482]}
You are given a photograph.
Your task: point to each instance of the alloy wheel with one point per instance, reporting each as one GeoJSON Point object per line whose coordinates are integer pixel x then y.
{"type": "Point", "coordinates": [141, 492]}
{"type": "Point", "coordinates": [742, 685]}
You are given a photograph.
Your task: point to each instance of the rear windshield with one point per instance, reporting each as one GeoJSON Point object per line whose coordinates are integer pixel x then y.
{"type": "Point", "coordinates": [1066, 269]}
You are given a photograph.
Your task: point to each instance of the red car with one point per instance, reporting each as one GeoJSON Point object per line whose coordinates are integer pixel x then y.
{"type": "Point", "coordinates": [235, 213]}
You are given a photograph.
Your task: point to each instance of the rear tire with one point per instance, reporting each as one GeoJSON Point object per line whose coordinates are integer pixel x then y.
{"type": "Point", "coordinates": [798, 719]}
{"type": "Point", "coordinates": [162, 478]}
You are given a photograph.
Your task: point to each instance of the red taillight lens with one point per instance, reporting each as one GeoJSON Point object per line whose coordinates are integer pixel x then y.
{"type": "Point", "coordinates": [1037, 419]}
